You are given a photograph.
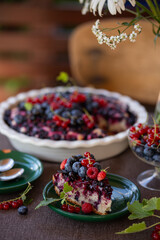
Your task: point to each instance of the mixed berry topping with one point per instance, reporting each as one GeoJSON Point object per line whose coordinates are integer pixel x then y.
{"type": "Point", "coordinates": [145, 142]}
{"type": "Point", "coordinates": [83, 171]}
{"type": "Point", "coordinates": [70, 116]}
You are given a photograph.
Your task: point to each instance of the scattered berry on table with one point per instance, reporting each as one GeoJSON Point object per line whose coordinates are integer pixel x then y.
{"type": "Point", "coordinates": [23, 210]}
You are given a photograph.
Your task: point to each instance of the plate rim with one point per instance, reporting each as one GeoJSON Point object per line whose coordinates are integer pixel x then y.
{"type": "Point", "coordinates": [33, 178]}
{"type": "Point", "coordinates": [95, 217]}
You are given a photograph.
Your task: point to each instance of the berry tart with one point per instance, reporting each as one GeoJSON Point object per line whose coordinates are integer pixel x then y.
{"type": "Point", "coordinates": [91, 188]}
{"type": "Point", "coordinates": [70, 116]}
{"type": "Point", "coordinates": [66, 121]}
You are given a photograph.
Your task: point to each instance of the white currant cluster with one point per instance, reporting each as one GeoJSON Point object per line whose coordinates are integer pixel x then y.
{"type": "Point", "coordinates": [112, 41]}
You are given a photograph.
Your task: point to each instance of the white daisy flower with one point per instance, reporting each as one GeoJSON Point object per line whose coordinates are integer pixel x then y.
{"type": "Point", "coordinates": [114, 6]}
{"type": "Point", "coordinates": [123, 36]}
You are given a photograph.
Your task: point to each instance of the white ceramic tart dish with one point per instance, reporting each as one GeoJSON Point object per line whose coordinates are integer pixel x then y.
{"type": "Point", "coordinates": [56, 151]}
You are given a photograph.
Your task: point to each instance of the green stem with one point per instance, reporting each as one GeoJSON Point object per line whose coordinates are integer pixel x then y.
{"type": "Point", "coordinates": [152, 225]}
{"type": "Point", "coordinates": [155, 216]}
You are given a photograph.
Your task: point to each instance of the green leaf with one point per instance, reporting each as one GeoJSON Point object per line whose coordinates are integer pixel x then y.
{"type": "Point", "coordinates": [23, 198]}
{"type": "Point", "coordinates": [27, 201]}
{"type": "Point", "coordinates": [46, 202]}
{"type": "Point", "coordinates": [135, 227]}
{"type": "Point", "coordinates": [62, 195]}
{"type": "Point", "coordinates": [67, 188]}
{"type": "Point", "coordinates": [144, 201]}
{"type": "Point", "coordinates": [125, 24]}
{"type": "Point", "coordinates": [28, 106]}
{"type": "Point", "coordinates": [63, 200]}
{"type": "Point", "coordinates": [63, 77]}
{"type": "Point", "coordinates": [152, 204]}
{"type": "Point", "coordinates": [137, 211]}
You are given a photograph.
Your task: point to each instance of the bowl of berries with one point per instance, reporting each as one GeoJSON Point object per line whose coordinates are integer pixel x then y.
{"type": "Point", "coordinates": [144, 141]}
{"type": "Point", "coordinates": [51, 123]}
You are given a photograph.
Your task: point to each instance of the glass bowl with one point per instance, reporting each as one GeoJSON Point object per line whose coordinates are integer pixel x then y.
{"type": "Point", "coordinates": [144, 142]}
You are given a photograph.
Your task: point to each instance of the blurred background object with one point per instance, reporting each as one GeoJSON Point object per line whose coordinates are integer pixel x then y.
{"type": "Point", "coordinates": [132, 69]}
{"type": "Point", "coordinates": [33, 42]}
{"type": "Point", "coordinates": [34, 37]}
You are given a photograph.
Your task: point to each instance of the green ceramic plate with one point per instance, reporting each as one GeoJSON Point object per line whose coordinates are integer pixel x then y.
{"type": "Point", "coordinates": [32, 170]}
{"type": "Point", "coordinates": [123, 191]}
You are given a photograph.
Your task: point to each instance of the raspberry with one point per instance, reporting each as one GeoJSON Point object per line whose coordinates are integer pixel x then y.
{"type": "Point", "coordinates": [87, 208]}
{"type": "Point", "coordinates": [62, 166]}
{"type": "Point", "coordinates": [92, 172]}
{"type": "Point", "coordinates": [101, 175]}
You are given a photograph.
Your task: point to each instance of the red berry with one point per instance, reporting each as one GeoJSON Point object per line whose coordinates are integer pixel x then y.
{"type": "Point", "coordinates": [132, 129]}
{"type": "Point", "coordinates": [157, 228]}
{"type": "Point", "coordinates": [77, 209]}
{"type": "Point", "coordinates": [64, 207]}
{"type": "Point", "coordinates": [155, 236]}
{"type": "Point", "coordinates": [63, 163]}
{"type": "Point", "coordinates": [87, 154]}
{"type": "Point", "coordinates": [20, 202]}
{"type": "Point", "coordinates": [1, 206]}
{"type": "Point", "coordinates": [101, 175]}
{"type": "Point", "coordinates": [90, 125]}
{"type": "Point", "coordinates": [56, 118]}
{"type": "Point", "coordinates": [84, 162]}
{"type": "Point", "coordinates": [10, 203]}
{"type": "Point", "coordinates": [15, 204]}
{"type": "Point", "coordinates": [70, 209]}
{"type": "Point", "coordinates": [140, 125]}
{"type": "Point", "coordinates": [92, 172]}
{"type": "Point", "coordinates": [6, 206]}
{"type": "Point", "coordinates": [87, 208]}
{"type": "Point", "coordinates": [64, 124]}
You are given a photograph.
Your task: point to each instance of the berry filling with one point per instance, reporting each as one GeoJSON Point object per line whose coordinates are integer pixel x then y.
{"type": "Point", "coordinates": [70, 116]}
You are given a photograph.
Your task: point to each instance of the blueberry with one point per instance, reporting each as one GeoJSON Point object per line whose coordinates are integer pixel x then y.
{"type": "Point", "coordinates": [82, 171]}
{"type": "Point", "coordinates": [50, 115]}
{"type": "Point", "coordinates": [76, 113]}
{"type": "Point", "coordinates": [18, 119]}
{"type": "Point", "coordinates": [79, 156]}
{"type": "Point", "coordinates": [97, 165]}
{"type": "Point", "coordinates": [148, 152]}
{"type": "Point", "coordinates": [66, 114]}
{"type": "Point", "coordinates": [36, 109]}
{"type": "Point", "coordinates": [139, 151]}
{"type": "Point", "coordinates": [156, 157]}
{"type": "Point", "coordinates": [23, 210]}
{"type": "Point", "coordinates": [76, 166]}
{"type": "Point", "coordinates": [80, 121]}
{"type": "Point", "coordinates": [68, 167]}
{"type": "Point", "coordinates": [21, 105]}
{"type": "Point", "coordinates": [56, 136]}
{"type": "Point", "coordinates": [70, 160]}
{"type": "Point", "coordinates": [92, 156]}
{"type": "Point", "coordinates": [44, 105]}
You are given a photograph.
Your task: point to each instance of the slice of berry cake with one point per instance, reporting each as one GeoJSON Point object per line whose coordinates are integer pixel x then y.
{"type": "Point", "coordinates": [89, 182]}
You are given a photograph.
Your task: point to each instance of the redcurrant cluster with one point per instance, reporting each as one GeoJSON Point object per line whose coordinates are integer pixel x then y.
{"type": "Point", "coordinates": [11, 204]}
{"type": "Point", "coordinates": [77, 97]}
{"type": "Point", "coordinates": [86, 208]}
{"type": "Point", "coordinates": [156, 233]}
{"type": "Point", "coordinates": [70, 208]}
{"type": "Point", "coordinates": [61, 122]}
{"type": "Point", "coordinates": [101, 101]}
{"type": "Point", "coordinates": [144, 134]}
{"type": "Point", "coordinates": [88, 161]}
{"type": "Point", "coordinates": [88, 121]}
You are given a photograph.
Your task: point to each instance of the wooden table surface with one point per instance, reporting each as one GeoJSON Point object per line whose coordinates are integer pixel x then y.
{"type": "Point", "coordinates": [44, 224]}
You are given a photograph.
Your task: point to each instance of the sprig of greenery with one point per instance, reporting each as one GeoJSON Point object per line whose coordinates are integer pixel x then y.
{"type": "Point", "coordinates": [63, 197]}
{"type": "Point", "coordinates": [139, 211]}
{"type": "Point", "coordinates": [22, 196]}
